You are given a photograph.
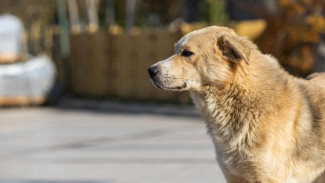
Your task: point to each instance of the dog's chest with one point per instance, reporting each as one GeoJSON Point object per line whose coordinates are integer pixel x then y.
{"type": "Point", "coordinates": [227, 123]}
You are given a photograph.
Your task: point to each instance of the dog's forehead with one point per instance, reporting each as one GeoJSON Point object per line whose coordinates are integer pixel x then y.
{"type": "Point", "coordinates": [202, 35]}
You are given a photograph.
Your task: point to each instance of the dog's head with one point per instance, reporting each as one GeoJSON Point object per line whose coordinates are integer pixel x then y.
{"type": "Point", "coordinates": [204, 57]}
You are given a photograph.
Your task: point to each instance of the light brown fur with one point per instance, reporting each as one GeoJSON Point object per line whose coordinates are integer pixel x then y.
{"type": "Point", "coordinates": [267, 126]}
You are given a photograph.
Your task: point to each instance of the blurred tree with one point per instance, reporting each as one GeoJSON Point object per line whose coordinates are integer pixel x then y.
{"type": "Point", "coordinates": [240, 10]}
{"type": "Point", "coordinates": [31, 10]}
{"type": "Point", "coordinates": [109, 12]}
{"type": "Point", "coordinates": [213, 11]}
{"type": "Point", "coordinates": [74, 16]}
{"type": "Point", "coordinates": [158, 12]}
{"type": "Point", "coordinates": [37, 16]}
{"type": "Point", "coordinates": [130, 13]}
{"type": "Point", "coordinates": [64, 29]}
{"type": "Point", "coordinates": [292, 33]}
{"type": "Point", "coordinates": [191, 11]}
{"type": "Point", "coordinates": [90, 10]}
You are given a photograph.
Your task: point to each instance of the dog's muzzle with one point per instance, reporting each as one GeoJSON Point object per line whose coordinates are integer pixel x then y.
{"type": "Point", "coordinates": [161, 82]}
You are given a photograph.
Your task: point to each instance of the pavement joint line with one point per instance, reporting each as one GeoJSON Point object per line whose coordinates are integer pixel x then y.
{"type": "Point", "coordinates": [133, 108]}
{"type": "Point", "coordinates": [125, 160]}
{"type": "Point", "coordinates": [86, 143]}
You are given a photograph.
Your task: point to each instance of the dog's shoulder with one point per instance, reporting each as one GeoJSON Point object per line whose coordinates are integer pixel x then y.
{"type": "Point", "coordinates": [317, 77]}
{"type": "Point", "coordinates": [316, 84]}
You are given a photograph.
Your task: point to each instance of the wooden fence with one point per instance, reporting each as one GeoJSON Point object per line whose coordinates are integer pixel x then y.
{"type": "Point", "coordinates": [113, 64]}
{"type": "Point", "coordinates": [104, 64]}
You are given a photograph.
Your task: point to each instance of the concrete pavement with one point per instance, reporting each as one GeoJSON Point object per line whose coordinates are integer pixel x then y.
{"type": "Point", "coordinates": [64, 145]}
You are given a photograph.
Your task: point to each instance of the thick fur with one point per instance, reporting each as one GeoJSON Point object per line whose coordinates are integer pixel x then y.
{"type": "Point", "coordinates": [267, 126]}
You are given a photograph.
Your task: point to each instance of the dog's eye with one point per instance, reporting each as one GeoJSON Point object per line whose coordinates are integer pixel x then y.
{"type": "Point", "coordinates": [186, 53]}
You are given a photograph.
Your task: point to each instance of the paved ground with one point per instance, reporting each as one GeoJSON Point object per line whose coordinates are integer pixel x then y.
{"type": "Point", "coordinates": [117, 143]}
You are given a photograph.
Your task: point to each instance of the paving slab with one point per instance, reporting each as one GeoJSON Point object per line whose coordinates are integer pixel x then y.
{"type": "Point", "coordinates": [99, 145]}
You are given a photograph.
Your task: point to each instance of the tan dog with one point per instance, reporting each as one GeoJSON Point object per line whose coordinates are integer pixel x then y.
{"type": "Point", "coordinates": [267, 126]}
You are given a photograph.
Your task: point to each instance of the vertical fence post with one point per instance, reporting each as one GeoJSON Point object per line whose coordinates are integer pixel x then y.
{"type": "Point", "coordinates": [64, 41]}
{"type": "Point", "coordinates": [130, 13]}
{"type": "Point", "coordinates": [109, 13]}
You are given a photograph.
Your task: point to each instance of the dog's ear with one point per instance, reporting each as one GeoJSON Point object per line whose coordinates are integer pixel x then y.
{"type": "Point", "coordinates": [233, 48]}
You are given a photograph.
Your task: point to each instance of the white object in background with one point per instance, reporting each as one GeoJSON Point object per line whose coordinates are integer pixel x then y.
{"type": "Point", "coordinates": [12, 44]}
{"type": "Point", "coordinates": [33, 78]}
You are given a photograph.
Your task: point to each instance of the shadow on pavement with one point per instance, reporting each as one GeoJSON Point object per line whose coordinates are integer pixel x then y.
{"type": "Point", "coordinates": [131, 108]}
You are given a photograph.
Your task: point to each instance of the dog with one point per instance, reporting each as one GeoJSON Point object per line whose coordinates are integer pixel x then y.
{"type": "Point", "coordinates": [267, 125]}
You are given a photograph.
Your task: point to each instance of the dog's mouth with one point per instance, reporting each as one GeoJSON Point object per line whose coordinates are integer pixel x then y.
{"type": "Point", "coordinates": [173, 88]}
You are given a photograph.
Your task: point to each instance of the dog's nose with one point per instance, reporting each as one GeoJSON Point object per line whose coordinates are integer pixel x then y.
{"type": "Point", "coordinates": [153, 71]}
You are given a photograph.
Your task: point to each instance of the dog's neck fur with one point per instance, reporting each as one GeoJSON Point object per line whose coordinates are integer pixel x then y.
{"type": "Point", "coordinates": [233, 113]}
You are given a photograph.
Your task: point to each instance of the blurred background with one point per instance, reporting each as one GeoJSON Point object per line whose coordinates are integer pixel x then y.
{"type": "Point", "coordinates": [78, 106]}
{"type": "Point", "coordinates": [96, 45]}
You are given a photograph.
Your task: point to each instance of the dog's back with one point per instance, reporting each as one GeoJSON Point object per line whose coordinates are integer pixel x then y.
{"type": "Point", "coordinates": [315, 87]}
{"type": "Point", "coordinates": [316, 92]}
{"type": "Point", "coordinates": [317, 78]}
